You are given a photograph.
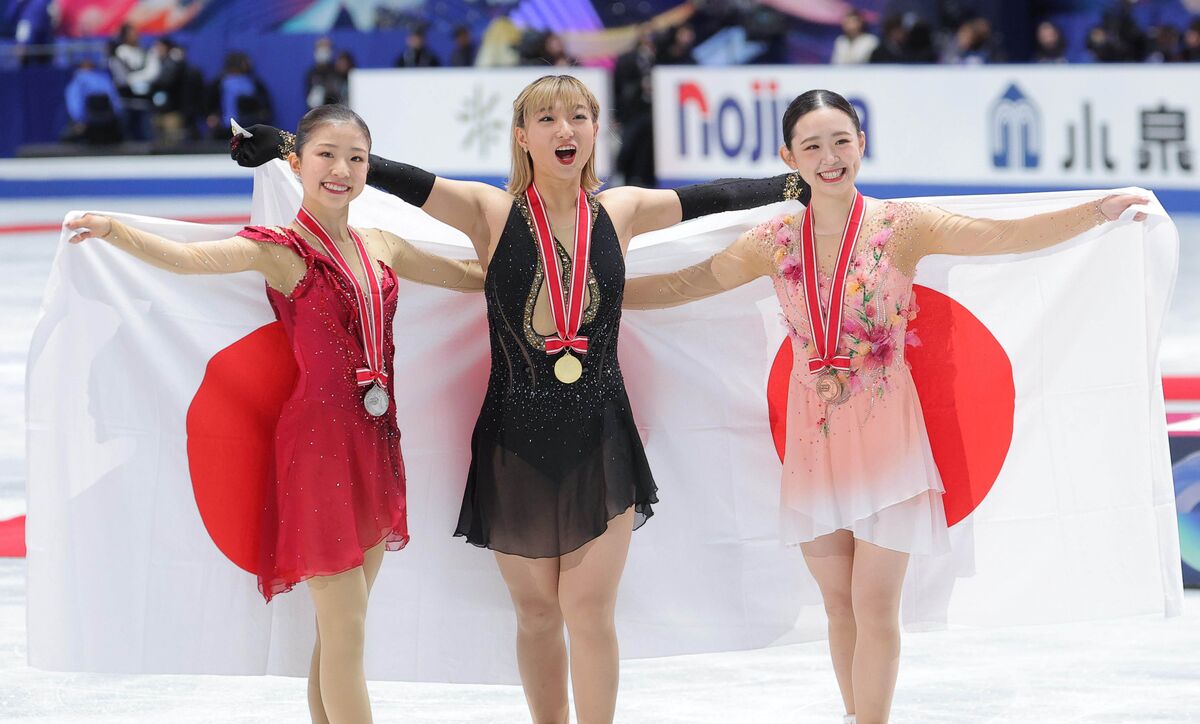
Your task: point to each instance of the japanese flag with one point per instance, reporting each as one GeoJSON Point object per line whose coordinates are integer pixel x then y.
{"type": "Point", "coordinates": [152, 398]}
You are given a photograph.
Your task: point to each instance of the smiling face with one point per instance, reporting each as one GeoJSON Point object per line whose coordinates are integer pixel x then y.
{"type": "Point", "coordinates": [332, 165]}
{"type": "Point", "coordinates": [826, 149]}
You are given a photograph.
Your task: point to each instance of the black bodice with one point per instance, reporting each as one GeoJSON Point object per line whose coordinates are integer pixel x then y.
{"type": "Point", "coordinates": [552, 462]}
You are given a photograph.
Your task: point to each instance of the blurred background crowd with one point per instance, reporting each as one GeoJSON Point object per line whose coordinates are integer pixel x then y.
{"type": "Point", "coordinates": [165, 76]}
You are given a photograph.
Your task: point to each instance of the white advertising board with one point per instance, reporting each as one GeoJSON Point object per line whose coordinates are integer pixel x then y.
{"type": "Point", "coordinates": [1024, 126]}
{"type": "Point", "coordinates": [456, 122]}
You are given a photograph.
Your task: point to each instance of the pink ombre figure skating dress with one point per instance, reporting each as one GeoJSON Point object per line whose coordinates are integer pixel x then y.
{"type": "Point", "coordinates": [864, 463]}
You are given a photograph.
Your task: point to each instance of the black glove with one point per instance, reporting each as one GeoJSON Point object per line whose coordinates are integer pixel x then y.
{"type": "Point", "coordinates": [266, 143]}
{"type": "Point", "coordinates": [407, 183]}
{"type": "Point", "coordinates": [731, 194]}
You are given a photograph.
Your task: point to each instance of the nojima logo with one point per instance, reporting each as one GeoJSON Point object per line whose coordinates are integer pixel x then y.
{"type": "Point", "coordinates": [745, 128]}
{"type": "Point", "coordinates": [738, 127]}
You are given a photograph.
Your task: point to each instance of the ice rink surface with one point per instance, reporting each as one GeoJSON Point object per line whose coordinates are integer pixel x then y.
{"type": "Point", "coordinates": [1143, 670]}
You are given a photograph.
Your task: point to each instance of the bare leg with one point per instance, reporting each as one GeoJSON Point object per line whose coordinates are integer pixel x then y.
{"type": "Point", "coordinates": [372, 559]}
{"type": "Point", "coordinates": [830, 558]}
{"type": "Point", "coordinates": [587, 593]}
{"type": "Point", "coordinates": [878, 579]}
{"type": "Point", "coordinates": [541, 651]}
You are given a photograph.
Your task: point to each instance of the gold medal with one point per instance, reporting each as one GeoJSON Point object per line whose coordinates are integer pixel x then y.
{"type": "Point", "coordinates": [568, 368]}
{"type": "Point", "coordinates": [830, 388]}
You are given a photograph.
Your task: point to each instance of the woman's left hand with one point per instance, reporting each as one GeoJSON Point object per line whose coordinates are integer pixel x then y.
{"type": "Point", "coordinates": [1113, 206]}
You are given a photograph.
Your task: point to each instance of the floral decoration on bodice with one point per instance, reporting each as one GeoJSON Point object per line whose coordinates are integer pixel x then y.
{"type": "Point", "coordinates": [878, 301]}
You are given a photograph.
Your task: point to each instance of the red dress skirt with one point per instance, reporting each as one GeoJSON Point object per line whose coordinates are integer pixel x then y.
{"type": "Point", "coordinates": [337, 482]}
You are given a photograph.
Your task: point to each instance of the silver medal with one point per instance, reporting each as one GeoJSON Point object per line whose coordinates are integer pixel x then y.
{"type": "Point", "coordinates": [376, 401]}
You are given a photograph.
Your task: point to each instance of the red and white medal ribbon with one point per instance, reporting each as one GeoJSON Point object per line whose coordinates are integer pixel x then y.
{"type": "Point", "coordinates": [370, 300]}
{"type": "Point", "coordinates": [826, 323]}
{"type": "Point", "coordinates": [568, 312]}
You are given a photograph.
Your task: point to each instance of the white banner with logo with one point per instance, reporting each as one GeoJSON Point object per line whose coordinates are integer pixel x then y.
{"type": "Point", "coordinates": [1024, 126]}
{"type": "Point", "coordinates": [457, 122]}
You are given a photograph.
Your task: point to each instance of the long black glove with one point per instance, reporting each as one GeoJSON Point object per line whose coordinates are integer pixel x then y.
{"type": "Point", "coordinates": [731, 194]}
{"type": "Point", "coordinates": [267, 143]}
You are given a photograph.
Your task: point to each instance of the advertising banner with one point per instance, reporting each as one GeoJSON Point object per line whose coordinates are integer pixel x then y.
{"type": "Point", "coordinates": [1001, 126]}
{"type": "Point", "coordinates": [456, 122]}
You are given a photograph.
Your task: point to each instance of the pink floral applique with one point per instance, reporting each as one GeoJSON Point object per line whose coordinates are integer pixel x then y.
{"type": "Point", "coordinates": [880, 239]}
{"type": "Point", "coordinates": [791, 268]}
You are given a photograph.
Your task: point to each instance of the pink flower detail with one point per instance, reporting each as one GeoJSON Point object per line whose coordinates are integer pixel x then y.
{"type": "Point", "coordinates": [881, 237]}
{"type": "Point", "coordinates": [911, 339]}
{"type": "Point", "coordinates": [853, 327]}
{"type": "Point", "coordinates": [791, 269]}
{"type": "Point", "coordinates": [883, 349]}
{"type": "Point", "coordinates": [784, 236]}
{"type": "Point", "coordinates": [869, 310]}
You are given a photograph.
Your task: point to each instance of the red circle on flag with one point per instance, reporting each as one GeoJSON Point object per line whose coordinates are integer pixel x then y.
{"type": "Point", "coordinates": [964, 380]}
{"type": "Point", "coordinates": [231, 438]}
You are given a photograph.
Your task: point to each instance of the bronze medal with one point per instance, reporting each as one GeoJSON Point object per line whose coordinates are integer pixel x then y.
{"type": "Point", "coordinates": [830, 388]}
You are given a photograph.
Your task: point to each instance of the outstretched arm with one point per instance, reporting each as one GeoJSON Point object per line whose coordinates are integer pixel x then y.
{"type": "Point", "coordinates": [420, 266]}
{"type": "Point", "coordinates": [941, 232]}
{"type": "Point", "coordinates": [223, 256]}
{"type": "Point", "coordinates": [741, 262]}
{"type": "Point", "coordinates": [646, 210]}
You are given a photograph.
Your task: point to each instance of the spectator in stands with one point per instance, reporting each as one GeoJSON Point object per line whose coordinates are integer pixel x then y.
{"type": "Point", "coordinates": [1164, 45]}
{"type": "Point", "coordinates": [891, 49]}
{"type": "Point", "coordinates": [342, 65]}
{"type": "Point", "coordinates": [1126, 37]}
{"type": "Point", "coordinates": [94, 106]}
{"type": "Point", "coordinates": [1050, 45]}
{"type": "Point", "coordinates": [416, 54]}
{"type": "Point", "coordinates": [677, 49]}
{"type": "Point", "coordinates": [168, 93]}
{"type": "Point", "coordinates": [919, 46]}
{"type": "Point", "coordinates": [463, 55]}
{"type": "Point", "coordinates": [632, 91]}
{"type": "Point", "coordinates": [554, 52]}
{"type": "Point", "coordinates": [1103, 46]}
{"type": "Point", "coordinates": [128, 65]}
{"type": "Point", "coordinates": [321, 79]}
{"type": "Point", "coordinates": [33, 23]}
{"type": "Point", "coordinates": [125, 56]}
{"type": "Point", "coordinates": [1191, 42]}
{"type": "Point", "coordinates": [498, 47]}
{"type": "Point", "coordinates": [237, 93]}
{"type": "Point", "coordinates": [972, 44]}
{"type": "Point", "coordinates": [855, 45]}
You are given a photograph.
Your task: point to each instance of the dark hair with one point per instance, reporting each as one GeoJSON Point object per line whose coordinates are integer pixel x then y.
{"type": "Point", "coordinates": [325, 115]}
{"type": "Point", "coordinates": [809, 101]}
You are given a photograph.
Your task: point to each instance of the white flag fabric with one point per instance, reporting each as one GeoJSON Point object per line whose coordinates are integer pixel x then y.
{"type": "Point", "coordinates": [142, 459]}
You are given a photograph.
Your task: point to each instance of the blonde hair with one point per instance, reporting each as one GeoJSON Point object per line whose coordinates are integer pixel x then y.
{"type": "Point", "coordinates": [544, 93]}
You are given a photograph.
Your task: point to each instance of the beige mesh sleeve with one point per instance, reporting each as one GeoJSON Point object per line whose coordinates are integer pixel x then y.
{"type": "Point", "coordinates": [223, 256]}
{"type": "Point", "coordinates": [743, 261]}
{"type": "Point", "coordinates": [940, 232]}
{"type": "Point", "coordinates": [423, 267]}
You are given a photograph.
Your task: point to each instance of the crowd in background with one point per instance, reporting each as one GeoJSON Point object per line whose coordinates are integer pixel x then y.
{"type": "Point", "coordinates": [152, 93]}
{"type": "Point", "coordinates": [149, 91]}
{"type": "Point", "coordinates": [1118, 38]}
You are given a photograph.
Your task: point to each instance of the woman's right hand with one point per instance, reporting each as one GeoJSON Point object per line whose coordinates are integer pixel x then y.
{"type": "Point", "coordinates": [88, 226]}
{"type": "Point", "coordinates": [265, 143]}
